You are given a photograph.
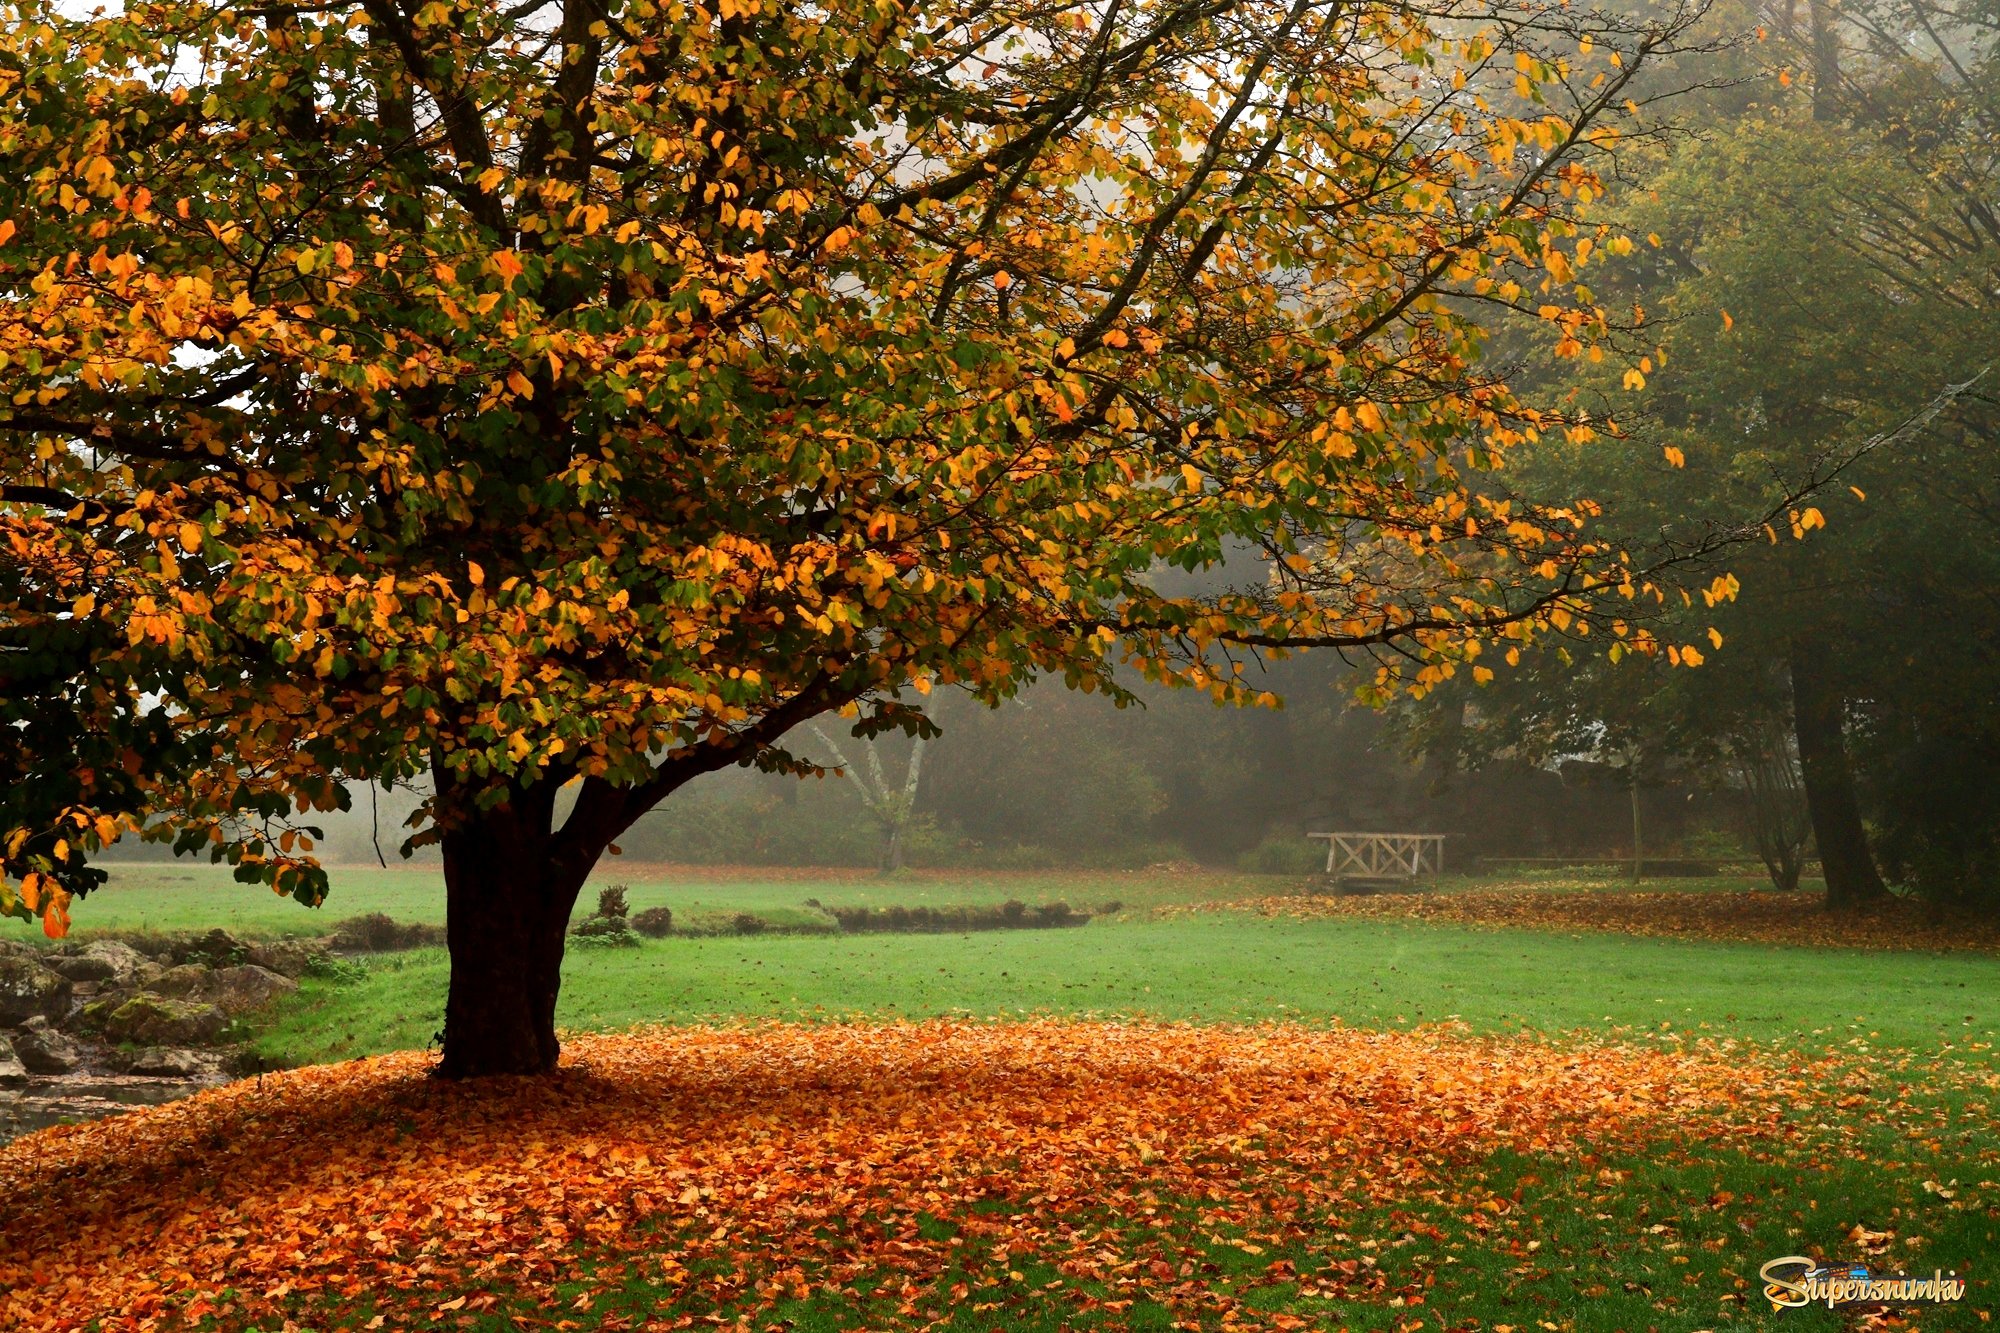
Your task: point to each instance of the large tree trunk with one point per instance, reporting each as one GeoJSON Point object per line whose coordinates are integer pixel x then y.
{"type": "Point", "coordinates": [1819, 714]}
{"type": "Point", "coordinates": [507, 907]}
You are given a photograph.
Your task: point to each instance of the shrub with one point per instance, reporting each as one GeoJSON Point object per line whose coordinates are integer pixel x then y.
{"type": "Point", "coordinates": [1012, 915]}
{"type": "Point", "coordinates": [621, 938]}
{"type": "Point", "coordinates": [1284, 854]}
{"type": "Point", "coordinates": [1713, 843]}
{"type": "Point", "coordinates": [600, 927]}
{"type": "Point", "coordinates": [377, 933]}
{"type": "Point", "coordinates": [218, 948]}
{"type": "Point", "coordinates": [611, 902]}
{"type": "Point", "coordinates": [1110, 907]}
{"type": "Point", "coordinates": [1058, 913]}
{"type": "Point", "coordinates": [654, 921]}
{"type": "Point", "coordinates": [746, 923]}
{"type": "Point", "coordinates": [340, 971]}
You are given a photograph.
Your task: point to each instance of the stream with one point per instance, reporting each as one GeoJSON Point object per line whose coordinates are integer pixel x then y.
{"type": "Point", "coordinates": [58, 1099]}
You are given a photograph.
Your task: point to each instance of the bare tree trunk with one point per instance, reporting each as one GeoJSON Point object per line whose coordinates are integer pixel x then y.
{"type": "Point", "coordinates": [1825, 61]}
{"type": "Point", "coordinates": [1638, 829]}
{"type": "Point", "coordinates": [1819, 717]}
{"type": "Point", "coordinates": [891, 808]}
{"type": "Point", "coordinates": [1783, 821]}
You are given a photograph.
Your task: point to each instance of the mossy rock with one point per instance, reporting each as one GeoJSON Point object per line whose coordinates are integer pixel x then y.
{"type": "Point", "coordinates": [156, 1020]}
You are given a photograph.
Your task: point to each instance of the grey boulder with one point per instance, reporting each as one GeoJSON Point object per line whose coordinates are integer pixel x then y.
{"type": "Point", "coordinates": [238, 990]}
{"type": "Point", "coordinates": [169, 1062]}
{"type": "Point", "coordinates": [100, 961]}
{"type": "Point", "coordinates": [28, 988]}
{"type": "Point", "coordinates": [13, 1074]}
{"type": "Point", "coordinates": [157, 1020]}
{"type": "Point", "coordinates": [46, 1051]}
{"type": "Point", "coordinates": [287, 957]}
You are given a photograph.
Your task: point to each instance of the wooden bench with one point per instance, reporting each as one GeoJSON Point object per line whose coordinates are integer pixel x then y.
{"type": "Point", "coordinates": [1381, 858]}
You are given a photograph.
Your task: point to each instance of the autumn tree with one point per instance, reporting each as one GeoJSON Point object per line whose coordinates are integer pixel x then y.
{"type": "Point", "coordinates": [591, 391]}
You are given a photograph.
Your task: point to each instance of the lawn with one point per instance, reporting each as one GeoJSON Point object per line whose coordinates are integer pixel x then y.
{"type": "Point", "coordinates": [1352, 1121]}
{"type": "Point", "coordinates": [181, 896]}
{"type": "Point", "coordinates": [1220, 967]}
{"type": "Point", "coordinates": [169, 896]}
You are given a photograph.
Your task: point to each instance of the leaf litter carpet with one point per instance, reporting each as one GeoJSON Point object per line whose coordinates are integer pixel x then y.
{"type": "Point", "coordinates": [1754, 917]}
{"type": "Point", "coordinates": [908, 1170]}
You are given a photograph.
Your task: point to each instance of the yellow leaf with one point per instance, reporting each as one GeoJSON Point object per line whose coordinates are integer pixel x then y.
{"type": "Point", "coordinates": [6, 230]}
{"type": "Point", "coordinates": [1192, 476]}
{"type": "Point", "coordinates": [1859, 494]}
{"type": "Point", "coordinates": [475, 573]}
{"type": "Point", "coordinates": [1675, 456]}
{"type": "Point", "coordinates": [1715, 636]}
{"type": "Point", "coordinates": [1727, 322]}
{"type": "Point", "coordinates": [1634, 379]}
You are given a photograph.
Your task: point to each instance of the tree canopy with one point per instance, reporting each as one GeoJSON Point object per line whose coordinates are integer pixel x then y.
{"type": "Point", "coordinates": [593, 390]}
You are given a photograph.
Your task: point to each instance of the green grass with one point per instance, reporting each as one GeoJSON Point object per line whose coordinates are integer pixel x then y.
{"type": "Point", "coordinates": [1218, 968]}
{"type": "Point", "coordinates": [194, 896]}
{"type": "Point", "coordinates": [190, 896]}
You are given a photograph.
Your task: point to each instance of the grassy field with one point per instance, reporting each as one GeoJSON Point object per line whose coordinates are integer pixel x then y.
{"type": "Point", "coordinates": [191, 896]}
{"type": "Point", "coordinates": [1870, 1082]}
{"type": "Point", "coordinates": [178, 896]}
{"type": "Point", "coordinates": [1216, 968]}
{"type": "Point", "coordinates": [1211, 967]}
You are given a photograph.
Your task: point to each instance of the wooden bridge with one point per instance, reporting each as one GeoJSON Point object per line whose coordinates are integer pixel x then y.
{"type": "Point", "coordinates": [1382, 856]}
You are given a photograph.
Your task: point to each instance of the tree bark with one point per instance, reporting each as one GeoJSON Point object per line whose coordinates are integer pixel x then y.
{"type": "Point", "coordinates": [1819, 717]}
{"type": "Point", "coordinates": [512, 878]}
{"type": "Point", "coordinates": [1638, 826]}
{"type": "Point", "coordinates": [507, 908]}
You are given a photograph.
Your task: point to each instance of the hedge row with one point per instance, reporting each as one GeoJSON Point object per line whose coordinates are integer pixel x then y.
{"type": "Point", "coordinates": [1010, 915]}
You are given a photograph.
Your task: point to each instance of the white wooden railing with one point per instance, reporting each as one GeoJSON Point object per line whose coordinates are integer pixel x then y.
{"type": "Point", "coordinates": [1383, 855]}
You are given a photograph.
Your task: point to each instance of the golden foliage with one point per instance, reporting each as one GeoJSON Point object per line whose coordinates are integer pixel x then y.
{"type": "Point", "coordinates": [569, 391]}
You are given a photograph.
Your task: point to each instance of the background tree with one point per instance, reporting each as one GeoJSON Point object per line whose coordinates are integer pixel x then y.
{"type": "Point", "coordinates": [1856, 649]}
{"type": "Point", "coordinates": [589, 392]}
{"type": "Point", "coordinates": [890, 803]}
